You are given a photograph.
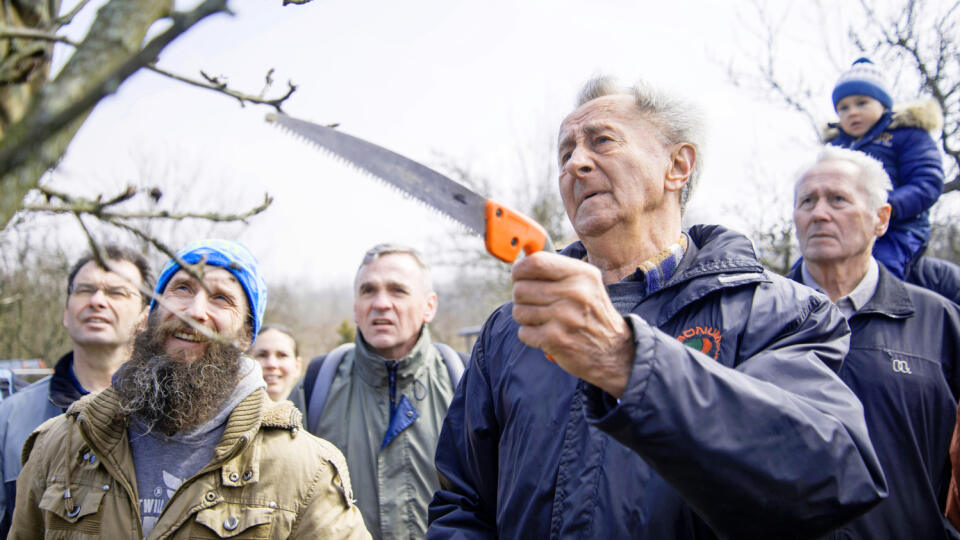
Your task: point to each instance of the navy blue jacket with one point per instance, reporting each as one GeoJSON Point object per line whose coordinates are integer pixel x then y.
{"type": "Point", "coordinates": [912, 161]}
{"type": "Point", "coordinates": [938, 275]}
{"type": "Point", "coordinates": [20, 414]}
{"type": "Point", "coordinates": [733, 419]}
{"type": "Point", "coordinates": [902, 366]}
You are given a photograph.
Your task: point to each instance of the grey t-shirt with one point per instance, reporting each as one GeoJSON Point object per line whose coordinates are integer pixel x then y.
{"type": "Point", "coordinates": [163, 462]}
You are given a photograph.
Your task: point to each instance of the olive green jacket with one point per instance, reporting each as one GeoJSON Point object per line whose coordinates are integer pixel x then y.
{"type": "Point", "coordinates": [394, 483]}
{"type": "Point", "coordinates": [268, 479]}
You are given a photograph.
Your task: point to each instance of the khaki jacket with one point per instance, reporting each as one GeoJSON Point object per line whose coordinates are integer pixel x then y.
{"type": "Point", "coordinates": [268, 479]}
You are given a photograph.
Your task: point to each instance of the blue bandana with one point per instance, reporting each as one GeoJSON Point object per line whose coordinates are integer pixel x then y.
{"type": "Point", "coordinates": [231, 256]}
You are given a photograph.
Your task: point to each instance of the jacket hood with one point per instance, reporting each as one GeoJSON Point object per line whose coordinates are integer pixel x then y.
{"type": "Point", "coordinates": [924, 114]}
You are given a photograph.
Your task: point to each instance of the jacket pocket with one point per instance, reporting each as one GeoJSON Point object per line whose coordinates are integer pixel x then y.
{"type": "Point", "coordinates": [83, 516]}
{"type": "Point", "coordinates": [229, 520]}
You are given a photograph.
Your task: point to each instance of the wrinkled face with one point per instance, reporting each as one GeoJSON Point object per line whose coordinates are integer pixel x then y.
{"type": "Point", "coordinates": [104, 308]}
{"type": "Point", "coordinates": [833, 216]}
{"type": "Point", "coordinates": [612, 165]}
{"type": "Point", "coordinates": [221, 307]}
{"type": "Point", "coordinates": [392, 303]}
{"type": "Point", "coordinates": [280, 364]}
{"type": "Point", "coordinates": [858, 114]}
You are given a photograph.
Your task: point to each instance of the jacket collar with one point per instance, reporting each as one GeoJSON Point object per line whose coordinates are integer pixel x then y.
{"type": "Point", "coordinates": [715, 258]}
{"type": "Point", "coordinates": [713, 249]}
{"type": "Point", "coordinates": [372, 367]}
{"type": "Point", "coordinates": [63, 391]}
{"type": "Point", "coordinates": [97, 416]}
{"type": "Point", "coordinates": [890, 300]}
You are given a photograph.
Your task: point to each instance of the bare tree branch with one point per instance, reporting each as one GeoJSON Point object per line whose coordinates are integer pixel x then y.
{"type": "Point", "coordinates": [218, 85]}
{"type": "Point", "coordinates": [20, 145]}
{"type": "Point", "coordinates": [31, 33]}
{"type": "Point", "coordinates": [67, 17]}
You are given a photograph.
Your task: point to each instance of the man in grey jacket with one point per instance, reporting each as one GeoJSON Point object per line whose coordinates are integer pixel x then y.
{"type": "Point", "coordinates": [103, 311]}
{"type": "Point", "coordinates": [382, 400]}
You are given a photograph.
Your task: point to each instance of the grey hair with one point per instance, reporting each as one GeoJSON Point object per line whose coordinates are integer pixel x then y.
{"type": "Point", "coordinates": [873, 179]}
{"type": "Point", "coordinates": [678, 120]}
{"type": "Point", "coordinates": [380, 250]}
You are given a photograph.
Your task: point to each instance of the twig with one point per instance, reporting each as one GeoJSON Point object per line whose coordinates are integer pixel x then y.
{"type": "Point", "coordinates": [67, 18]}
{"type": "Point", "coordinates": [215, 84]}
{"type": "Point", "coordinates": [77, 205]}
{"type": "Point", "coordinates": [31, 33]}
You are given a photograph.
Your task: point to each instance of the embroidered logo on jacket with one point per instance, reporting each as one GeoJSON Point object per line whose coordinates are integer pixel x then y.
{"type": "Point", "coordinates": [702, 338]}
{"type": "Point", "coordinates": [901, 366]}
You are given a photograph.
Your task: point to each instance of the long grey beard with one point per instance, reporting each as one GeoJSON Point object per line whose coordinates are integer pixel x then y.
{"type": "Point", "coordinates": [168, 393]}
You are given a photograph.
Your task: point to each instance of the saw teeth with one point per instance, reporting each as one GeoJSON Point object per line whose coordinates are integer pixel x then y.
{"type": "Point", "coordinates": [344, 161]}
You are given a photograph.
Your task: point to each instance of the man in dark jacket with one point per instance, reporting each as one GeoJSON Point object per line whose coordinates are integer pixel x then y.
{"type": "Point", "coordinates": [904, 342]}
{"type": "Point", "coordinates": [103, 311]}
{"type": "Point", "coordinates": [691, 394]}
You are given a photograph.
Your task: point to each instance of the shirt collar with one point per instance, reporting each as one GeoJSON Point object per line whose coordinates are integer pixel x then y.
{"type": "Point", "coordinates": [657, 271]}
{"type": "Point", "coordinates": [858, 297]}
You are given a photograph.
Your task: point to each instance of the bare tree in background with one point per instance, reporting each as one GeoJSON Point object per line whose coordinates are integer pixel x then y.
{"type": "Point", "coordinates": [39, 116]}
{"type": "Point", "coordinates": [917, 43]}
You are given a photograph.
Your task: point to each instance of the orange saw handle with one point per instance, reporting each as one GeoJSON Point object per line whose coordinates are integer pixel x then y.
{"type": "Point", "coordinates": [509, 231]}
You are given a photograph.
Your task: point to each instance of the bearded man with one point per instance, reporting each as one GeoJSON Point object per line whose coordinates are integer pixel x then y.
{"type": "Point", "coordinates": [185, 442]}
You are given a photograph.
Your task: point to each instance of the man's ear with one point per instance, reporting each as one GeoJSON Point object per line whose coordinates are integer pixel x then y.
{"type": "Point", "coordinates": [431, 311]}
{"type": "Point", "coordinates": [682, 160]}
{"type": "Point", "coordinates": [883, 219]}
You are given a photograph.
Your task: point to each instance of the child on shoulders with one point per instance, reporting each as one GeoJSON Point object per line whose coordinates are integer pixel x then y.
{"type": "Point", "coordinates": [899, 139]}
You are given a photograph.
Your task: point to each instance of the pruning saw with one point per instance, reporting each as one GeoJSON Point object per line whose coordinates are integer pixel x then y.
{"type": "Point", "coordinates": [505, 231]}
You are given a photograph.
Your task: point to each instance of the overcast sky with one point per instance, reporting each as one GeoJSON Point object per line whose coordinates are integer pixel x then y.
{"type": "Point", "coordinates": [479, 83]}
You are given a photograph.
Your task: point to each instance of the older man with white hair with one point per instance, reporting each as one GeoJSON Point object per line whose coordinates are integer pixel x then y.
{"type": "Point", "coordinates": [904, 342]}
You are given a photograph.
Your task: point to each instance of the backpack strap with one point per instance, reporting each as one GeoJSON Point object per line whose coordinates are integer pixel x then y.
{"type": "Point", "coordinates": [321, 386]}
{"type": "Point", "coordinates": [454, 362]}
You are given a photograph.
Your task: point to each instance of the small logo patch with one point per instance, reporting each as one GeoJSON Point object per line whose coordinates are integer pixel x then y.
{"type": "Point", "coordinates": [702, 338]}
{"type": "Point", "coordinates": [901, 366]}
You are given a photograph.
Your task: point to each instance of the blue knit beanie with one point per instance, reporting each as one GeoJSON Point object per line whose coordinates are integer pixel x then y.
{"type": "Point", "coordinates": [231, 256]}
{"type": "Point", "coordinates": [863, 78]}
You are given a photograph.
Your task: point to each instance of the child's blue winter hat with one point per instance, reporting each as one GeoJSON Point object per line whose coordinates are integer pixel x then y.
{"type": "Point", "coordinates": [863, 78]}
{"type": "Point", "coordinates": [231, 256]}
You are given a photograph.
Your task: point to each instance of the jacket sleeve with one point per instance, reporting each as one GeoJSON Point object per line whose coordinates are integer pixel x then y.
{"type": "Point", "coordinates": [329, 511]}
{"type": "Point", "coordinates": [465, 505]}
{"type": "Point", "coordinates": [28, 520]}
{"type": "Point", "coordinates": [776, 447]}
{"type": "Point", "coordinates": [920, 172]}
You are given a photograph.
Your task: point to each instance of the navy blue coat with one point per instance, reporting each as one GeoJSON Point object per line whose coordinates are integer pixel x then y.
{"type": "Point", "coordinates": [938, 275]}
{"type": "Point", "coordinates": [733, 423]}
{"type": "Point", "coordinates": [903, 366]}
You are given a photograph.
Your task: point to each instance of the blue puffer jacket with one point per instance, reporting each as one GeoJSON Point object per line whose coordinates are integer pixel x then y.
{"type": "Point", "coordinates": [910, 157]}
{"type": "Point", "coordinates": [733, 420]}
{"type": "Point", "coordinates": [902, 365]}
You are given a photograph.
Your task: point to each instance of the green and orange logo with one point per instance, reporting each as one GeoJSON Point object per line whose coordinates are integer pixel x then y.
{"type": "Point", "coordinates": [702, 338]}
